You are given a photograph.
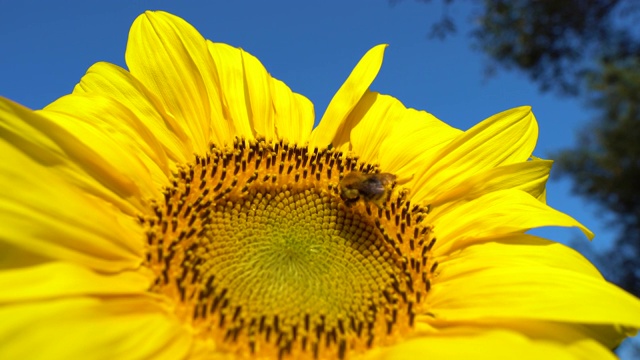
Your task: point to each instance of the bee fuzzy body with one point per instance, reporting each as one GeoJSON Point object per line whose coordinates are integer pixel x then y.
{"type": "Point", "coordinates": [374, 188]}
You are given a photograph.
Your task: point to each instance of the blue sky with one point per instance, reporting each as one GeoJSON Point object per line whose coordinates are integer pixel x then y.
{"type": "Point", "coordinates": [311, 46]}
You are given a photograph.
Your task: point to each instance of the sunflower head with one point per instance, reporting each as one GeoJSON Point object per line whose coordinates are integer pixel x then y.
{"type": "Point", "coordinates": [188, 201]}
{"type": "Point", "coordinates": [266, 248]}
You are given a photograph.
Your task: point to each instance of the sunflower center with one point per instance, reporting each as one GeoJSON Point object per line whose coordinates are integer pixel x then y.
{"type": "Point", "coordinates": [264, 250]}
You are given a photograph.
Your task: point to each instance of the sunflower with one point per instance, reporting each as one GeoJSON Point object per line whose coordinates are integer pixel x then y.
{"type": "Point", "coordinates": [186, 209]}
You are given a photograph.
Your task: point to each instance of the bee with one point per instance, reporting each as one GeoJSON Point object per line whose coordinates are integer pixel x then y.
{"type": "Point", "coordinates": [375, 188]}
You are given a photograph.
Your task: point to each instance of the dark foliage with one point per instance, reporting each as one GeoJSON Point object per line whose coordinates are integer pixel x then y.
{"type": "Point", "coordinates": [605, 166]}
{"type": "Point", "coordinates": [550, 40]}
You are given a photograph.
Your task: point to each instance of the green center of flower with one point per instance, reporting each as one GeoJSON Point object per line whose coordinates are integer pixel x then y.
{"type": "Point", "coordinates": [259, 250]}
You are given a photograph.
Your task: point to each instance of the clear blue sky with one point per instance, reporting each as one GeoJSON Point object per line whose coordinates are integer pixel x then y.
{"type": "Point", "coordinates": [311, 46]}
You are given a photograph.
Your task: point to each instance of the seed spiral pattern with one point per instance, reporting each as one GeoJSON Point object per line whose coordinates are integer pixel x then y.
{"type": "Point", "coordinates": [258, 251]}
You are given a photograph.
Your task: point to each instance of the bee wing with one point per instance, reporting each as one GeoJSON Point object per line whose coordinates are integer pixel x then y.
{"type": "Point", "coordinates": [386, 178]}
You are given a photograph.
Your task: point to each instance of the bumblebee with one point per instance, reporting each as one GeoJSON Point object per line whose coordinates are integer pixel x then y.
{"type": "Point", "coordinates": [374, 188]}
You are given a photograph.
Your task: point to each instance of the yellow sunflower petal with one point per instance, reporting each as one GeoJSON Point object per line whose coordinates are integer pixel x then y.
{"type": "Point", "coordinates": [375, 122]}
{"type": "Point", "coordinates": [229, 75]}
{"type": "Point", "coordinates": [248, 93]}
{"type": "Point", "coordinates": [149, 120]}
{"type": "Point", "coordinates": [293, 113]}
{"type": "Point", "coordinates": [108, 127]}
{"type": "Point", "coordinates": [257, 83]}
{"type": "Point", "coordinates": [590, 349]}
{"type": "Point", "coordinates": [518, 253]}
{"type": "Point", "coordinates": [80, 328]}
{"type": "Point", "coordinates": [14, 256]}
{"type": "Point", "coordinates": [341, 140]}
{"type": "Point", "coordinates": [503, 139]}
{"type": "Point", "coordinates": [529, 176]}
{"type": "Point", "coordinates": [500, 212]}
{"type": "Point", "coordinates": [418, 134]}
{"type": "Point", "coordinates": [50, 144]}
{"type": "Point", "coordinates": [257, 86]}
{"type": "Point", "coordinates": [535, 292]}
{"type": "Point", "coordinates": [171, 59]}
{"type": "Point", "coordinates": [60, 279]}
{"type": "Point", "coordinates": [517, 250]}
{"type": "Point", "coordinates": [346, 98]}
{"type": "Point", "coordinates": [543, 197]}
{"type": "Point", "coordinates": [85, 230]}
{"type": "Point", "coordinates": [567, 333]}
{"type": "Point", "coordinates": [465, 343]}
